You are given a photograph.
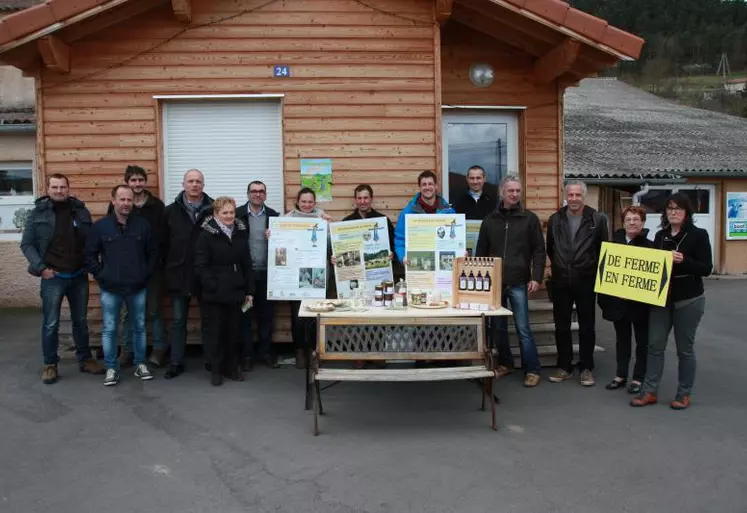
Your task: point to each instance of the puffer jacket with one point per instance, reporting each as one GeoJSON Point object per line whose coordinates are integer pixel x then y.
{"type": "Point", "coordinates": [223, 265]}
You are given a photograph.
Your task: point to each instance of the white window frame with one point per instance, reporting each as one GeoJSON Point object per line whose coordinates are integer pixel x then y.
{"type": "Point", "coordinates": [7, 201]}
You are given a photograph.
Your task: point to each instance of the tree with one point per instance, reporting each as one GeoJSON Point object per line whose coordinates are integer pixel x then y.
{"type": "Point", "coordinates": [20, 217]}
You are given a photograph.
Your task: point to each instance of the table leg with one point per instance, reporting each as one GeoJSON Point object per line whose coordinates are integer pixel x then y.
{"type": "Point", "coordinates": [307, 401]}
{"type": "Point", "coordinates": [492, 403]}
{"type": "Point", "coordinates": [317, 405]}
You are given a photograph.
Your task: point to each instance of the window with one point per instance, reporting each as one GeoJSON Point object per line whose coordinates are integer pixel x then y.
{"type": "Point", "coordinates": [16, 197]}
{"type": "Point", "coordinates": [233, 141]}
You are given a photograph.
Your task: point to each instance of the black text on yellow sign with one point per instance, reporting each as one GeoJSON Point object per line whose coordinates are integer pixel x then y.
{"type": "Point", "coordinates": [632, 272]}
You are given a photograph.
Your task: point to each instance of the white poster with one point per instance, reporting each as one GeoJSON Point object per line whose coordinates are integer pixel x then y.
{"type": "Point", "coordinates": [473, 231]}
{"type": "Point", "coordinates": [361, 249]}
{"type": "Point", "coordinates": [297, 259]}
{"type": "Point", "coordinates": [432, 242]}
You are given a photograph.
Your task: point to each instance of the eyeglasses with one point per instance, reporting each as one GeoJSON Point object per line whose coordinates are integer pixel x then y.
{"type": "Point", "coordinates": [675, 209]}
{"type": "Point", "coordinates": [257, 192]}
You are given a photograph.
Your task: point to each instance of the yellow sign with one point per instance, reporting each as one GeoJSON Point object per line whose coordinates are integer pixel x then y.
{"type": "Point", "coordinates": [632, 272]}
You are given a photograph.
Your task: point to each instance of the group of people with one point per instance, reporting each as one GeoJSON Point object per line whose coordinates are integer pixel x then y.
{"type": "Point", "coordinates": [217, 253]}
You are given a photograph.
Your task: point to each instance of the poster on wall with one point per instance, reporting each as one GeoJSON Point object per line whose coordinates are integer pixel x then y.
{"type": "Point", "coordinates": [316, 174]}
{"type": "Point", "coordinates": [361, 251]}
{"type": "Point", "coordinates": [297, 259]}
{"type": "Point", "coordinates": [473, 230]}
{"type": "Point", "coordinates": [432, 242]}
{"type": "Point", "coordinates": [736, 216]}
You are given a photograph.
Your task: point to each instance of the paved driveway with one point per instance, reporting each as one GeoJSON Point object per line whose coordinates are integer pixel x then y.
{"type": "Point", "coordinates": [184, 446]}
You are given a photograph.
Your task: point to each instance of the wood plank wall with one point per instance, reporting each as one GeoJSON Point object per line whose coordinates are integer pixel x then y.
{"type": "Point", "coordinates": [362, 92]}
{"type": "Point", "coordinates": [460, 48]}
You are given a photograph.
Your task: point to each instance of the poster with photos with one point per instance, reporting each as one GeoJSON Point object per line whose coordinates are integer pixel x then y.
{"type": "Point", "coordinates": [297, 259]}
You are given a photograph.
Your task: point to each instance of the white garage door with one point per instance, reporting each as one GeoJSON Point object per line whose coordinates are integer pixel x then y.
{"type": "Point", "coordinates": [233, 142]}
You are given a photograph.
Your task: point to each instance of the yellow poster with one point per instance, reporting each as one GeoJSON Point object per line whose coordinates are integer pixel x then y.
{"type": "Point", "coordinates": [632, 272]}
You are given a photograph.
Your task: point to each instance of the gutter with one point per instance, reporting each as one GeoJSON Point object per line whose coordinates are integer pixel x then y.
{"type": "Point", "coordinates": [18, 127]}
{"type": "Point", "coordinates": [629, 181]}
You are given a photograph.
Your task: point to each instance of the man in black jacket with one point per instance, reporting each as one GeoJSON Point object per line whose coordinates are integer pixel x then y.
{"type": "Point", "coordinates": [515, 234]}
{"type": "Point", "coordinates": [122, 256]}
{"type": "Point", "coordinates": [574, 239]}
{"type": "Point", "coordinates": [53, 240]}
{"type": "Point", "coordinates": [181, 228]}
{"type": "Point", "coordinates": [255, 214]}
{"type": "Point", "coordinates": [151, 209]}
{"type": "Point", "coordinates": [476, 202]}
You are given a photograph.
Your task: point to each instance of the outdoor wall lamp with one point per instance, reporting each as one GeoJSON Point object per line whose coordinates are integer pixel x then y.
{"type": "Point", "coordinates": [481, 75]}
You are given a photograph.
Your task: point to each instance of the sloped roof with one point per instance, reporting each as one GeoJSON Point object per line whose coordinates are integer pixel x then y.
{"type": "Point", "coordinates": [16, 5]}
{"type": "Point", "coordinates": [554, 13]}
{"type": "Point", "coordinates": [615, 130]}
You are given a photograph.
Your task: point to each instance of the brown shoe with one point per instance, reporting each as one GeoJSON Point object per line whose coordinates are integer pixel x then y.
{"type": "Point", "coordinates": [502, 371]}
{"type": "Point", "coordinates": [158, 357]}
{"type": "Point", "coordinates": [49, 375]}
{"type": "Point", "coordinates": [300, 359]}
{"type": "Point", "coordinates": [126, 359]}
{"type": "Point", "coordinates": [560, 376]}
{"type": "Point", "coordinates": [531, 380]}
{"type": "Point", "coordinates": [644, 400]}
{"type": "Point", "coordinates": [680, 403]}
{"type": "Point", "coordinates": [92, 367]}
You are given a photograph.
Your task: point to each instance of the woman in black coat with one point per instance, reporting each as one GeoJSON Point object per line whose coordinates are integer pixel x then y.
{"type": "Point", "coordinates": [629, 316]}
{"type": "Point", "coordinates": [223, 267]}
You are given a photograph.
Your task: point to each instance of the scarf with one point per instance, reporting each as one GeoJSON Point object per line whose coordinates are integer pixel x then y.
{"type": "Point", "coordinates": [228, 230]}
{"type": "Point", "coordinates": [428, 209]}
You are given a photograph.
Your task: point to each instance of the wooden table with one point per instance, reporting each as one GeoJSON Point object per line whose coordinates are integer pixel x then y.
{"type": "Point", "coordinates": [453, 336]}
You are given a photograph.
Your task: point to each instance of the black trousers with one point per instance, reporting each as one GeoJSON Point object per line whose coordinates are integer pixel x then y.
{"type": "Point", "coordinates": [624, 334]}
{"type": "Point", "coordinates": [581, 293]}
{"type": "Point", "coordinates": [302, 330]}
{"type": "Point", "coordinates": [222, 345]}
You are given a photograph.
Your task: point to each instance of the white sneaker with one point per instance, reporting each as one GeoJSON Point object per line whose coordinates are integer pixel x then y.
{"type": "Point", "coordinates": [142, 372]}
{"type": "Point", "coordinates": [111, 378]}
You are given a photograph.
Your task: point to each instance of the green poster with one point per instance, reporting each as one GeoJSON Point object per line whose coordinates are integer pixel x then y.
{"type": "Point", "coordinates": [316, 174]}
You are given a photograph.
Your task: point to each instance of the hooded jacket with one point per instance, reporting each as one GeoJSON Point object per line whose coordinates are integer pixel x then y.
{"type": "Point", "coordinates": [223, 265]}
{"type": "Point", "coordinates": [179, 237]}
{"type": "Point", "coordinates": [413, 207]}
{"type": "Point", "coordinates": [515, 235]}
{"type": "Point", "coordinates": [40, 229]}
{"type": "Point", "coordinates": [575, 260]}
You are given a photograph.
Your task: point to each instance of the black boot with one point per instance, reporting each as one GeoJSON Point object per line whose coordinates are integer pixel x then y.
{"type": "Point", "coordinates": [216, 379]}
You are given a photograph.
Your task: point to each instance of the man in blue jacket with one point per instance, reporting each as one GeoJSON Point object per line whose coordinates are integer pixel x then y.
{"type": "Point", "coordinates": [53, 242]}
{"type": "Point", "coordinates": [122, 255]}
{"type": "Point", "coordinates": [427, 201]}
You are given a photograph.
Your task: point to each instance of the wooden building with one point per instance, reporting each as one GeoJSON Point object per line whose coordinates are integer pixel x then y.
{"type": "Point", "coordinates": [246, 89]}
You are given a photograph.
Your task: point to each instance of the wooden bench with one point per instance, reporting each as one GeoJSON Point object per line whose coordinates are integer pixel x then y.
{"type": "Point", "coordinates": [449, 335]}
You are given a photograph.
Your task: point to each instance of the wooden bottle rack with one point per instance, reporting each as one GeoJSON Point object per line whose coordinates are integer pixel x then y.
{"type": "Point", "coordinates": [478, 299]}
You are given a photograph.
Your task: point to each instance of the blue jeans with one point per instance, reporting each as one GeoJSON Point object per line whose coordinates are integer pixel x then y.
{"type": "Point", "coordinates": [265, 312]}
{"type": "Point", "coordinates": [154, 316]}
{"type": "Point", "coordinates": [520, 307]}
{"type": "Point", "coordinates": [178, 331]}
{"type": "Point", "coordinates": [52, 292]}
{"type": "Point", "coordinates": [111, 307]}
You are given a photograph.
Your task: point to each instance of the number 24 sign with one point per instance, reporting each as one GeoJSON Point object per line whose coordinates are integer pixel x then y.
{"type": "Point", "coordinates": [281, 71]}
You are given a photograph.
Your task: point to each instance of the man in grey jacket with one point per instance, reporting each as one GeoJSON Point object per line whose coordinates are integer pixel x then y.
{"type": "Point", "coordinates": [514, 234]}
{"type": "Point", "coordinates": [53, 242]}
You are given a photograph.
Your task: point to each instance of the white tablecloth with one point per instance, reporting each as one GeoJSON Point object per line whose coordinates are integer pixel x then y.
{"type": "Point", "coordinates": [386, 313]}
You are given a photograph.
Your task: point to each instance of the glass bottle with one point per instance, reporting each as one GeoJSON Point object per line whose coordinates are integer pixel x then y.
{"type": "Point", "coordinates": [463, 281]}
{"type": "Point", "coordinates": [471, 281]}
{"type": "Point", "coordinates": [487, 283]}
{"type": "Point", "coordinates": [478, 281]}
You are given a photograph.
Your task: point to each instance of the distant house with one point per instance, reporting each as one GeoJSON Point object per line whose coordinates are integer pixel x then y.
{"type": "Point", "coordinates": [623, 141]}
{"type": "Point", "coordinates": [736, 85]}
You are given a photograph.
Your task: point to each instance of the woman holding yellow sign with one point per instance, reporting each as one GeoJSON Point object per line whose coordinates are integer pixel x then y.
{"type": "Point", "coordinates": [628, 316]}
{"type": "Point", "coordinates": [693, 259]}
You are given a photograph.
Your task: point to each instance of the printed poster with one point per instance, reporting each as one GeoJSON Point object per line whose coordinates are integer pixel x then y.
{"type": "Point", "coordinates": [361, 249]}
{"type": "Point", "coordinates": [632, 272]}
{"type": "Point", "coordinates": [736, 216]}
{"type": "Point", "coordinates": [316, 174]}
{"type": "Point", "coordinates": [432, 242]}
{"type": "Point", "coordinates": [473, 230]}
{"type": "Point", "coordinates": [297, 259]}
